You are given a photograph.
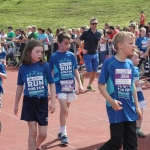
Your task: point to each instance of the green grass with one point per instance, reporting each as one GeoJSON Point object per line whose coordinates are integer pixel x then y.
{"type": "Point", "coordinates": [70, 13]}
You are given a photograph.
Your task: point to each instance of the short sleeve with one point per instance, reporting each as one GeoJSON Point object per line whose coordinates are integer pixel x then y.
{"type": "Point", "coordinates": [75, 63]}
{"type": "Point", "coordinates": [83, 36]}
{"type": "Point", "coordinates": [31, 35]}
{"type": "Point", "coordinates": [20, 81]}
{"type": "Point", "coordinates": [51, 62]}
{"type": "Point", "coordinates": [49, 74]}
{"type": "Point", "coordinates": [137, 43]}
{"type": "Point", "coordinates": [38, 38]}
{"type": "Point", "coordinates": [104, 73]}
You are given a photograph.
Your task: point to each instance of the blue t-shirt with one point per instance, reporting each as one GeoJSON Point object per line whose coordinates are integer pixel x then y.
{"type": "Point", "coordinates": [142, 43]}
{"type": "Point", "coordinates": [63, 65]}
{"type": "Point", "coordinates": [43, 37]}
{"type": "Point", "coordinates": [139, 88]}
{"type": "Point", "coordinates": [118, 77]}
{"type": "Point", "coordinates": [35, 79]}
{"type": "Point", "coordinates": [2, 70]}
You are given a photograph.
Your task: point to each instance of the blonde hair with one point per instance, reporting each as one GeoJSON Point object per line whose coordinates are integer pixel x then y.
{"type": "Point", "coordinates": [142, 29]}
{"type": "Point", "coordinates": [120, 38]}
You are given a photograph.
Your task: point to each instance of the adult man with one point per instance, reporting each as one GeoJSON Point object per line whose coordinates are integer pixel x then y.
{"type": "Point", "coordinates": [112, 31]}
{"type": "Point", "coordinates": [10, 34]}
{"type": "Point", "coordinates": [91, 39]}
{"type": "Point", "coordinates": [34, 34]}
{"type": "Point", "coordinates": [142, 19]}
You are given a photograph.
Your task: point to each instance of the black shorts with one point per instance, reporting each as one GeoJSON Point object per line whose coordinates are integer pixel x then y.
{"type": "Point", "coordinates": [35, 109]}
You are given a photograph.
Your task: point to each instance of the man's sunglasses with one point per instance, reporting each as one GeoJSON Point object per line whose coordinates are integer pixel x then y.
{"type": "Point", "coordinates": [93, 23]}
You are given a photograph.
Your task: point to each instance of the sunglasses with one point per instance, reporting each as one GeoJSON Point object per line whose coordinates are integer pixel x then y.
{"type": "Point", "coordinates": [93, 23]}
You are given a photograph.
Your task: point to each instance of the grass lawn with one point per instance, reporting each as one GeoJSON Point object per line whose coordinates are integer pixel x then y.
{"type": "Point", "coordinates": [70, 13]}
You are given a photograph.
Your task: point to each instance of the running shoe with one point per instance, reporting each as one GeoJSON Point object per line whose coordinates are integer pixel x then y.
{"type": "Point", "coordinates": [140, 134]}
{"type": "Point", "coordinates": [90, 88]}
{"type": "Point", "coordinates": [59, 136]}
{"type": "Point", "coordinates": [64, 140]}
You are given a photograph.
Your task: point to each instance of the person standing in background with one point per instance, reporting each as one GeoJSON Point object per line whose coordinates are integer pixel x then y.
{"type": "Point", "coordinates": [91, 40]}
{"type": "Point", "coordinates": [142, 19]}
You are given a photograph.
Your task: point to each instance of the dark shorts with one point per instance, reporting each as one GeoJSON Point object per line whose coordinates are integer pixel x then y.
{"type": "Point", "coordinates": [35, 109]}
{"type": "Point", "coordinates": [91, 62]}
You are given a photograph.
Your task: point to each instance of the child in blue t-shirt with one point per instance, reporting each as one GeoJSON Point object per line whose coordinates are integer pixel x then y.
{"type": "Point", "coordinates": [33, 77]}
{"type": "Point", "coordinates": [2, 76]}
{"type": "Point", "coordinates": [122, 104]}
{"type": "Point", "coordinates": [142, 44]}
{"type": "Point", "coordinates": [65, 69]}
{"type": "Point", "coordinates": [138, 84]}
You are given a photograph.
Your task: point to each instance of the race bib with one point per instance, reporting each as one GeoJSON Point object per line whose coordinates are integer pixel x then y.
{"type": "Point", "coordinates": [123, 77]}
{"type": "Point", "coordinates": [138, 88]}
{"type": "Point", "coordinates": [67, 85]}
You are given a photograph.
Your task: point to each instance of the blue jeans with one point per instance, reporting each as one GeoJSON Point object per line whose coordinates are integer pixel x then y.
{"type": "Point", "coordinates": [102, 57]}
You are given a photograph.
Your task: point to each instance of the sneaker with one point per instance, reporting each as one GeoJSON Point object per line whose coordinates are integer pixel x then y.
{"type": "Point", "coordinates": [90, 88]}
{"type": "Point", "coordinates": [64, 140]}
{"type": "Point", "coordinates": [140, 134]}
{"type": "Point", "coordinates": [59, 136]}
{"type": "Point", "coordinates": [100, 66]}
{"type": "Point", "coordinates": [82, 79]}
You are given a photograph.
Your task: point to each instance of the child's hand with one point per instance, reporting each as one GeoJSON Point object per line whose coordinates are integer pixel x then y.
{"type": "Point", "coordinates": [139, 113]}
{"type": "Point", "coordinates": [16, 112]}
{"type": "Point", "coordinates": [137, 83]}
{"type": "Point", "coordinates": [116, 105]}
{"type": "Point", "coordinates": [84, 51]}
{"type": "Point", "coordinates": [52, 107]}
{"type": "Point", "coordinates": [80, 89]}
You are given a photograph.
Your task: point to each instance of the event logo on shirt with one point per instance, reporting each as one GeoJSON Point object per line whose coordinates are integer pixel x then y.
{"type": "Point", "coordinates": [65, 68]}
{"type": "Point", "coordinates": [123, 81]}
{"type": "Point", "coordinates": [145, 44]}
{"type": "Point", "coordinates": [35, 83]}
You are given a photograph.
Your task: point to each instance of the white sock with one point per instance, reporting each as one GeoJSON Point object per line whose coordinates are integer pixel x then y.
{"type": "Point", "coordinates": [63, 130]}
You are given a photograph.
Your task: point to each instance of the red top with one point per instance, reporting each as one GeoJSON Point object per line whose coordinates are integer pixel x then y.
{"type": "Point", "coordinates": [143, 21]}
{"type": "Point", "coordinates": [112, 35]}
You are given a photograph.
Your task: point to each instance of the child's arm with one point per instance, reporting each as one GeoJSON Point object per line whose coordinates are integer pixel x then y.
{"type": "Point", "coordinates": [53, 94]}
{"type": "Point", "coordinates": [136, 102]}
{"type": "Point", "coordinates": [77, 76]}
{"type": "Point", "coordinates": [116, 105]}
{"type": "Point", "coordinates": [18, 95]}
{"type": "Point", "coordinates": [147, 51]}
{"type": "Point", "coordinates": [3, 76]}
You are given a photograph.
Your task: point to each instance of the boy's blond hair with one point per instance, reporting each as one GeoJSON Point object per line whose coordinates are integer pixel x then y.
{"type": "Point", "coordinates": [120, 37]}
{"type": "Point", "coordinates": [142, 29]}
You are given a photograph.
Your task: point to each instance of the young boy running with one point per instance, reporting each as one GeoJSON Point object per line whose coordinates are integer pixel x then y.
{"type": "Point", "coordinates": [65, 69]}
{"type": "Point", "coordinates": [122, 104]}
{"type": "Point", "coordinates": [138, 83]}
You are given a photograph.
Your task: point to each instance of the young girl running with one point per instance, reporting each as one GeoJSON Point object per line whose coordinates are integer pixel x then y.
{"type": "Point", "coordinates": [34, 76]}
{"type": "Point", "coordinates": [64, 65]}
{"type": "Point", "coordinates": [138, 84]}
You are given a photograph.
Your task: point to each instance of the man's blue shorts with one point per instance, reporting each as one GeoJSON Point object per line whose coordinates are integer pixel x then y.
{"type": "Point", "coordinates": [91, 62]}
{"type": "Point", "coordinates": [35, 109]}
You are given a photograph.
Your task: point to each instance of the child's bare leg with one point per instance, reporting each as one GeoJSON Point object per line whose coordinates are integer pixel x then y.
{"type": "Point", "coordinates": [63, 115]}
{"type": "Point", "coordinates": [32, 125]}
{"type": "Point", "coordinates": [139, 122]}
{"type": "Point", "coordinates": [138, 126]}
{"type": "Point", "coordinates": [42, 135]}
